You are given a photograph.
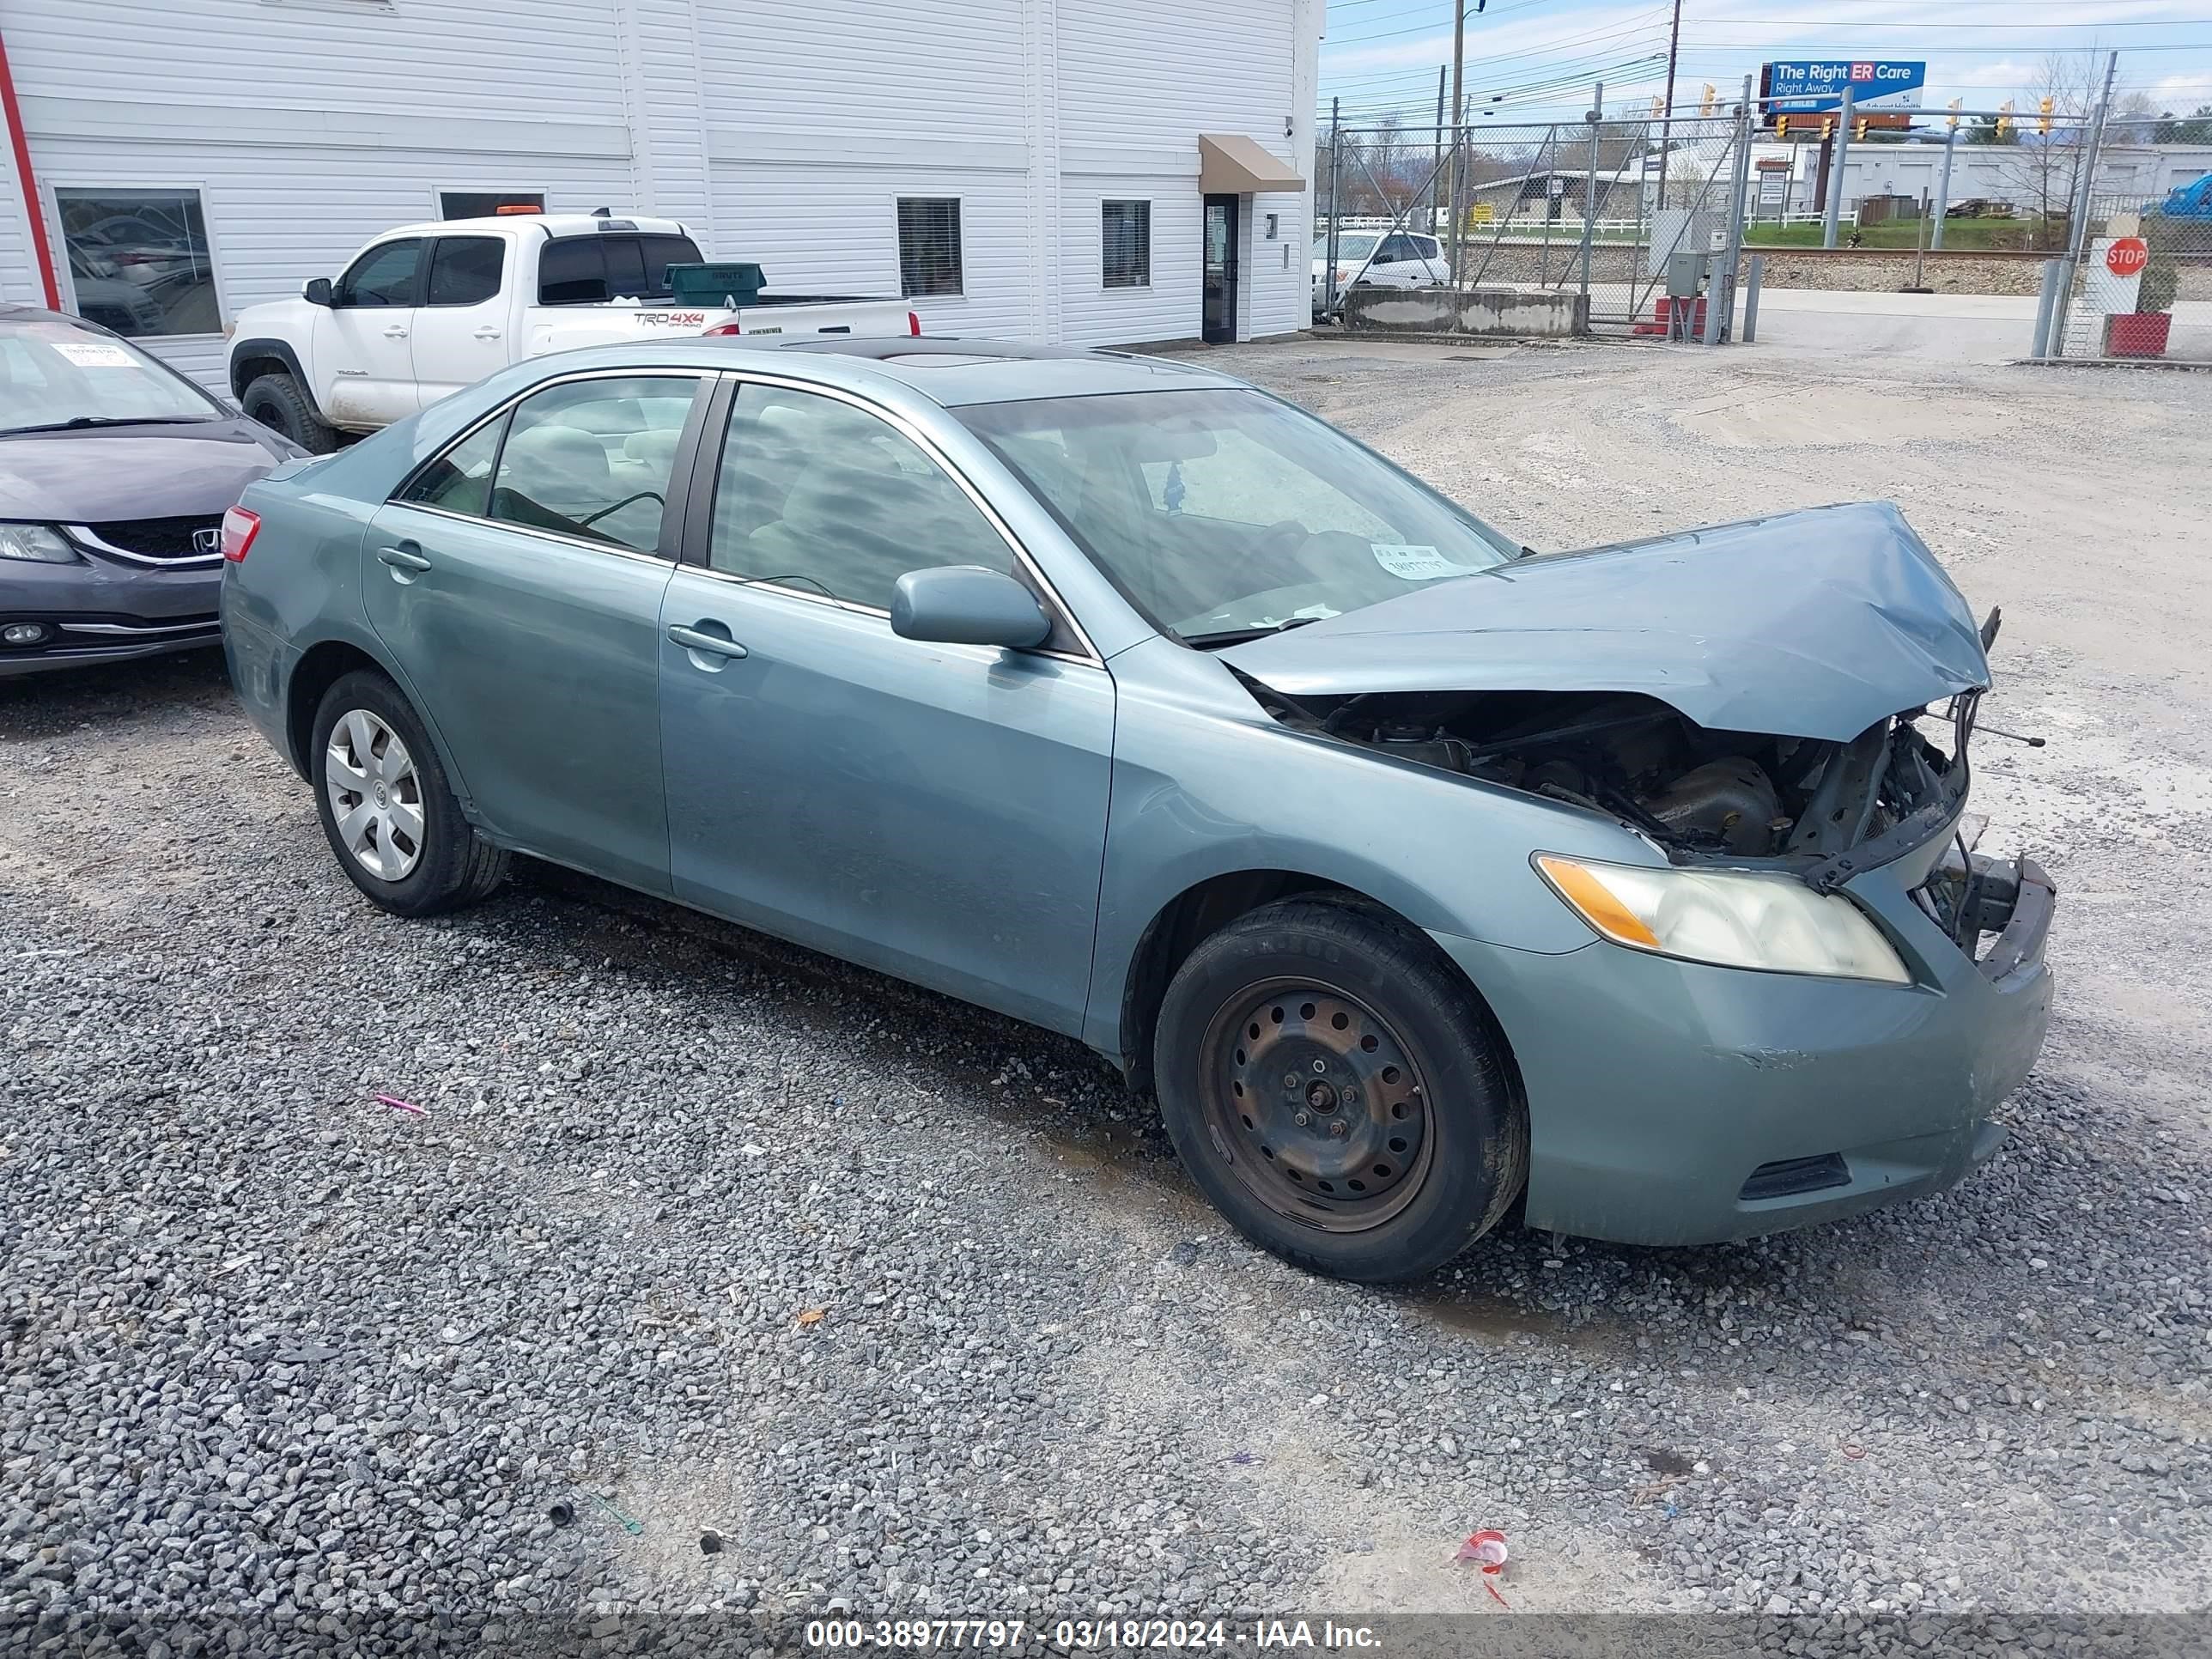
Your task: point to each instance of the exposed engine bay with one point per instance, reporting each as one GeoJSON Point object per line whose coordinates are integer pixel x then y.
{"type": "Point", "coordinates": [1824, 810]}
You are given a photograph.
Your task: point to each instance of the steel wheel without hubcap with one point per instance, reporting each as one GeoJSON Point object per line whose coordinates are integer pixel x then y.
{"type": "Point", "coordinates": [375, 795]}
{"type": "Point", "coordinates": [1320, 1102]}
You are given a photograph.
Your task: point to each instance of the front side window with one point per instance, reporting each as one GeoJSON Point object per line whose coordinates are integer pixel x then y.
{"type": "Point", "coordinates": [592, 458]}
{"type": "Point", "coordinates": [460, 480]}
{"type": "Point", "coordinates": [384, 276]}
{"type": "Point", "coordinates": [929, 246]}
{"type": "Point", "coordinates": [138, 260]}
{"type": "Point", "coordinates": [1225, 513]}
{"type": "Point", "coordinates": [1126, 229]}
{"type": "Point", "coordinates": [817, 494]}
{"type": "Point", "coordinates": [465, 270]}
{"type": "Point", "coordinates": [57, 374]}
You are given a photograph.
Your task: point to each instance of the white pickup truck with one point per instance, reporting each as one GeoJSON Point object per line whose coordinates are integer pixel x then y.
{"type": "Point", "coordinates": [427, 309]}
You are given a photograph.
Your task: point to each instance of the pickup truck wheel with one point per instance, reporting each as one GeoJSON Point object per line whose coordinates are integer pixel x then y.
{"type": "Point", "coordinates": [1330, 1083]}
{"type": "Point", "coordinates": [390, 816]}
{"type": "Point", "coordinates": [277, 402]}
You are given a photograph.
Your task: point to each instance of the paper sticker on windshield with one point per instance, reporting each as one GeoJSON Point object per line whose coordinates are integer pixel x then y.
{"type": "Point", "coordinates": [94, 353]}
{"type": "Point", "coordinates": [1411, 563]}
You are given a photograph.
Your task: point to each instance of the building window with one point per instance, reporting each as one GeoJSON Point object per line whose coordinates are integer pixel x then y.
{"type": "Point", "coordinates": [138, 260]}
{"type": "Point", "coordinates": [483, 204]}
{"type": "Point", "coordinates": [929, 244]}
{"type": "Point", "coordinates": [1125, 228]}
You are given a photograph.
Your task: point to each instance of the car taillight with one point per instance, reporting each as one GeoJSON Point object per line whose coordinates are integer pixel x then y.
{"type": "Point", "coordinates": [729, 327]}
{"type": "Point", "coordinates": [239, 527]}
{"type": "Point", "coordinates": [912, 323]}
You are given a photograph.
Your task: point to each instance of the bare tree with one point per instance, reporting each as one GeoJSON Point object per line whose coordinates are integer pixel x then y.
{"type": "Point", "coordinates": [2041, 171]}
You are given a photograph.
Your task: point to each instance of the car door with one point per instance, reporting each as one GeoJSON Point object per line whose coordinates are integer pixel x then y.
{"type": "Point", "coordinates": [364, 356]}
{"type": "Point", "coordinates": [461, 327]}
{"type": "Point", "coordinates": [1429, 252]}
{"type": "Point", "coordinates": [937, 812]}
{"type": "Point", "coordinates": [516, 581]}
{"type": "Point", "coordinates": [1393, 267]}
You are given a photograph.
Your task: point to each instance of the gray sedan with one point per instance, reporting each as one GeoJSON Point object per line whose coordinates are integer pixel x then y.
{"type": "Point", "coordinates": [1417, 875]}
{"type": "Point", "coordinates": [115, 472]}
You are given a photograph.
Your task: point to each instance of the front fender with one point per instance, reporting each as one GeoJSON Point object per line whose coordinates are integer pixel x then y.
{"type": "Point", "coordinates": [1205, 784]}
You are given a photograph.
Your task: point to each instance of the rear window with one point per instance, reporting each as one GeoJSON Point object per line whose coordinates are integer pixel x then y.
{"type": "Point", "coordinates": [581, 270]}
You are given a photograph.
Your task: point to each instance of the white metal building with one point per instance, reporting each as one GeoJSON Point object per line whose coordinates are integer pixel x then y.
{"type": "Point", "coordinates": [1032, 168]}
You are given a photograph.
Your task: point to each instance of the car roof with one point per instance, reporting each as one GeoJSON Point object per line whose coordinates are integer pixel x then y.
{"type": "Point", "coordinates": [12, 311]}
{"type": "Point", "coordinates": [553, 224]}
{"type": "Point", "coordinates": [954, 372]}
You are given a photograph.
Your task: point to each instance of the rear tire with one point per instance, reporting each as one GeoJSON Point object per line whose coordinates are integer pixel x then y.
{"type": "Point", "coordinates": [1332, 1084]}
{"type": "Point", "coordinates": [391, 819]}
{"type": "Point", "coordinates": [279, 402]}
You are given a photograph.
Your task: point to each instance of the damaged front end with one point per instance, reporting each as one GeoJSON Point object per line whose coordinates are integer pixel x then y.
{"type": "Point", "coordinates": [1818, 810]}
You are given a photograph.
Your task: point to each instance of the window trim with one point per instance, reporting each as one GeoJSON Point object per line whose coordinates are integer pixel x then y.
{"type": "Point", "coordinates": [439, 192]}
{"type": "Point", "coordinates": [959, 252]}
{"type": "Point", "coordinates": [683, 466]}
{"type": "Point", "coordinates": [52, 189]}
{"type": "Point", "coordinates": [506, 245]}
{"type": "Point", "coordinates": [706, 478]}
{"type": "Point", "coordinates": [1105, 276]}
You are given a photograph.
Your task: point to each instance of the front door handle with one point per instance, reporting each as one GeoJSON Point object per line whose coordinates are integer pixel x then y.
{"type": "Point", "coordinates": [395, 332]}
{"type": "Point", "coordinates": [710, 645]}
{"type": "Point", "coordinates": [403, 557]}
{"type": "Point", "coordinates": [487, 333]}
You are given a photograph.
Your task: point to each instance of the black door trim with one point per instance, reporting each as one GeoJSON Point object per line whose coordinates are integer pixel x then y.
{"type": "Point", "coordinates": [1217, 304]}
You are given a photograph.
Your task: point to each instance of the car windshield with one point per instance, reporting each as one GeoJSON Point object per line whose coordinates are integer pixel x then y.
{"type": "Point", "coordinates": [1224, 512]}
{"type": "Point", "coordinates": [1347, 247]}
{"type": "Point", "coordinates": [55, 375]}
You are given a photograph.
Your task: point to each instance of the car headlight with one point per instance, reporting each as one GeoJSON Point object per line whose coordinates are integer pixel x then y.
{"type": "Point", "coordinates": [38, 543]}
{"type": "Point", "coordinates": [1732, 919]}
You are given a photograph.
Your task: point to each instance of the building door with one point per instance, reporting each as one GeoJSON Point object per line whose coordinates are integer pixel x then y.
{"type": "Point", "coordinates": [1218, 322]}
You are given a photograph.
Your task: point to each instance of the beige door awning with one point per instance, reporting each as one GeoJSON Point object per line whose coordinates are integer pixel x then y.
{"type": "Point", "coordinates": [1230, 164]}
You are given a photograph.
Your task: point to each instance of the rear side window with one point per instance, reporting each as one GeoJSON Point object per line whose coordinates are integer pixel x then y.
{"type": "Point", "coordinates": [460, 480]}
{"type": "Point", "coordinates": [578, 270]}
{"type": "Point", "coordinates": [465, 270]}
{"type": "Point", "coordinates": [592, 458]}
{"type": "Point", "coordinates": [1425, 247]}
{"type": "Point", "coordinates": [384, 276]}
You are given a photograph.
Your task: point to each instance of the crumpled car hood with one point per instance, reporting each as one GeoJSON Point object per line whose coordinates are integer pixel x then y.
{"type": "Point", "coordinates": [1807, 624]}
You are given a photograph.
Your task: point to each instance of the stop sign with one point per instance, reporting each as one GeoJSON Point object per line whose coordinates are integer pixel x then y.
{"type": "Point", "coordinates": [2127, 256]}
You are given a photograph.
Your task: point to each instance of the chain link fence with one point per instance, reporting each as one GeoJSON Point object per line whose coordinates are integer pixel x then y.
{"type": "Point", "coordinates": [2142, 289]}
{"type": "Point", "coordinates": [1603, 218]}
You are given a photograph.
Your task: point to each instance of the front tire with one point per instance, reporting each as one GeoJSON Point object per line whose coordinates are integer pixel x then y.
{"type": "Point", "coordinates": [390, 816]}
{"type": "Point", "coordinates": [1331, 1083]}
{"type": "Point", "coordinates": [279, 402]}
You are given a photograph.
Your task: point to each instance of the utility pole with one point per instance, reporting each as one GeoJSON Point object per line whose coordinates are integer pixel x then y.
{"type": "Point", "coordinates": [1459, 117]}
{"type": "Point", "coordinates": [1832, 209]}
{"type": "Point", "coordinates": [1336, 207]}
{"type": "Point", "coordinates": [1943, 189]}
{"type": "Point", "coordinates": [1673, 45]}
{"type": "Point", "coordinates": [1437, 152]}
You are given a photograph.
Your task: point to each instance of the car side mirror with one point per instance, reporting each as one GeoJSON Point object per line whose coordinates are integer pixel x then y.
{"type": "Point", "coordinates": [967, 604]}
{"type": "Point", "coordinates": [318, 292]}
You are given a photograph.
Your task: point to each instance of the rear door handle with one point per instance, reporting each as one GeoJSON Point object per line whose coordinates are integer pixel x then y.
{"type": "Point", "coordinates": [711, 645]}
{"type": "Point", "coordinates": [403, 557]}
{"type": "Point", "coordinates": [395, 332]}
{"type": "Point", "coordinates": [487, 333]}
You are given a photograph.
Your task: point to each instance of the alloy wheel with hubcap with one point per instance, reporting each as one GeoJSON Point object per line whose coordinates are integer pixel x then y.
{"type": "Point", "coordinates": [375, 795]}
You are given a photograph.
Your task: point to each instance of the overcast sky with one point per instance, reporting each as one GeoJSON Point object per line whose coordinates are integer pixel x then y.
{"type": "Point", "coordinates": [1535, 59]}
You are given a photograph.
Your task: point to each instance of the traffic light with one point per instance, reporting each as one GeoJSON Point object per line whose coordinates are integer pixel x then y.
{"type": "Point", "coordinates": [2005, 120]}
{"type": "Point", "coordinates": [1955, 103]}
{"type": "Point", "coordinates": [2043, 120]}
{"type": "Point", "coordinates": [1827, 128]}
{"type": "Point", "coordinates": [1781, 127]}
{"type": "Point", "coordinates": [1859, 128]}
{"type": "Point", "coordinates": [1658, 109]}
{"type": "Point", "coordinates": [1713, 95]}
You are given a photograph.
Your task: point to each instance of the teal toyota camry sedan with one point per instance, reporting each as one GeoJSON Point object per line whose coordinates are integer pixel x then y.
{"type": "Point", "coordinates": [1417, 874]}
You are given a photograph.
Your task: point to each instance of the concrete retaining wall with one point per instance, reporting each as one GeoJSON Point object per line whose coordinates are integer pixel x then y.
{"type": "Point", "coordinates": [1480, 310]}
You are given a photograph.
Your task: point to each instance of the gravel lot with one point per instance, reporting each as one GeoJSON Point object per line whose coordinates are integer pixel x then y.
{"type": "Point", "coordinates": [912, 1305]}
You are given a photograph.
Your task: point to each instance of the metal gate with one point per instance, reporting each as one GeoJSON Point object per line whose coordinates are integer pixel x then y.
{"type": "Point", "coordinates": [1603, 215]}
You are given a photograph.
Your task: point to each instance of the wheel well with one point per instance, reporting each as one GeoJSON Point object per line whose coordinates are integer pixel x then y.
{"type": "Point", "coordinates": [244, 371]}
{"type": "Point", "coordinates": [317, 672]}
{"type": "Point", "coordinates": [1194, 915]}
